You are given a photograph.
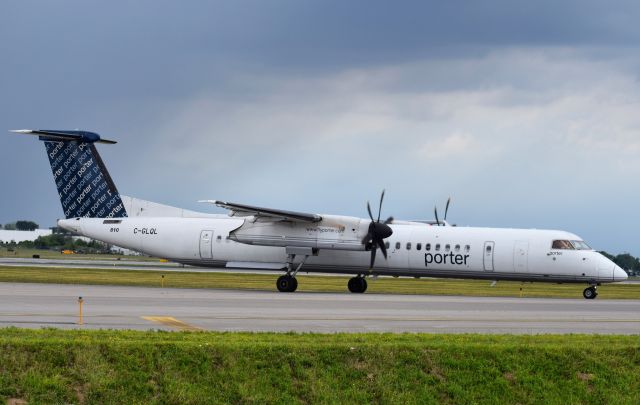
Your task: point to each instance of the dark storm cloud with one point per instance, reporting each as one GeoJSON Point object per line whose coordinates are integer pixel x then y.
{"type": "Point", "coordinates": [79, 50]}
{"type": "Point", "coordinates": [80, 55]}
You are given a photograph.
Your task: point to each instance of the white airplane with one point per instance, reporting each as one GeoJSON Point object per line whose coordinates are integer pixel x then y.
{"type": "Point", "coordinates": [286, 241]}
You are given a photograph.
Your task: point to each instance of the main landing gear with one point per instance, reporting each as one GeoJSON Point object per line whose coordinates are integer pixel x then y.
{"type": "Point", "coordinates": [288, 282]}
{"type": "Point", "coordinates": [590, 292]}
{"type": "Point", "coordinates": [357, 284]}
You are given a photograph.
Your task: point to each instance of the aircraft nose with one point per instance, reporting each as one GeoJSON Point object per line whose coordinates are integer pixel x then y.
{"type": "Point", "coordinates": [619, 274]}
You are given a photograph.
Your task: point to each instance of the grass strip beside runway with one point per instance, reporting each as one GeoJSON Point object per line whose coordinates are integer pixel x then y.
{"type": "Point", "coordinates": [55, 366]}
{"type": "Point", "coordinates": [180, 279]}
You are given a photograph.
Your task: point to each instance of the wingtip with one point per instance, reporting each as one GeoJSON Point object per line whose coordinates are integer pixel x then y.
{"type": "Point", "coordinates": [21, 131]}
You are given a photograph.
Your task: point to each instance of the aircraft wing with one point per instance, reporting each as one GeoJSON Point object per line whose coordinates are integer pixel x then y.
{"type": "Point", "coordinates": [242, 210]}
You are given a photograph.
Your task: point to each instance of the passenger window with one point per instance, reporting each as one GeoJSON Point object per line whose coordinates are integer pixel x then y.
{"type": "Point", "coordinates": [457, 248]}
{"type": "Point", "coordinates": [489, 249]}
{"type": "Point", "coordinates": [438, 247]}
{"type": "Point", "coordinates": [427, 246]}
{"type": "Point", "coordinates": [397, 245]}
{"type": "Point", "coordinates": [467, 248]}
{"type": "Point", "coordinates": [408, 245]}
{"type": "Point", "coordinates": [219, 238]}
{"type": "Point", "coordinates": [419, 246]}
{"type": "Point", "coordinates": [386, 244]}
{"type": "Point", "coordinates": [562, 244]}
{"type": "Point", "coordinates": [447, 248]}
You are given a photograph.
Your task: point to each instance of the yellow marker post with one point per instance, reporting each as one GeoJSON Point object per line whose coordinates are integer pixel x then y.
{"type": "Point", "coordinates": [162, 281]}
{"type": "Point", "coordinates": [80, 301]}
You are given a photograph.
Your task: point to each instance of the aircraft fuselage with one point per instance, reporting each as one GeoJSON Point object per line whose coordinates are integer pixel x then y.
{"type": "Point", "coordinates": [414, 250]}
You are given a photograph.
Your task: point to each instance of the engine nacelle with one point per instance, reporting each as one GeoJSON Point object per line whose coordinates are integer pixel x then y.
{"type": "Point", "coordinates": [332, 232]}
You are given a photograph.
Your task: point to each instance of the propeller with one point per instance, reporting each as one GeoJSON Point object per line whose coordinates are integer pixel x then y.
{"type": "Point", "coordinates": [446, 211]}
{"type": "Point", "coordinates": [378, 231]}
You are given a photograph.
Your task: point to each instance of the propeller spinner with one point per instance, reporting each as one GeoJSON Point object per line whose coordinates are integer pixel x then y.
{"type": "Point", "coordinates": [378, 231]}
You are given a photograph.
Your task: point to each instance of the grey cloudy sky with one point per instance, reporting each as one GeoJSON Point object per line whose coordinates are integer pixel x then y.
{"type": "Point", "coordinates": [527, 113]}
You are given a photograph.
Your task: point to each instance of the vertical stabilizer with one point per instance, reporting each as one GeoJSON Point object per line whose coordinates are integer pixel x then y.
{"type": "Point", "coordinates": [84, 184]}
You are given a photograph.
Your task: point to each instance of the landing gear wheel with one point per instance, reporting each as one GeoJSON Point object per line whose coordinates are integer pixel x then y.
{"type": "Point", "coordinates": [357, 284]}
{"type": "Point", "coordinates": [287, 283]}
{"type": "Point", "coordinates": [590, 293]}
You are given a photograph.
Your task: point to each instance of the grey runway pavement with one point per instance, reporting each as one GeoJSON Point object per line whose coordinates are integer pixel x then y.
{"type": "Point", "coordinates": [107, 307]}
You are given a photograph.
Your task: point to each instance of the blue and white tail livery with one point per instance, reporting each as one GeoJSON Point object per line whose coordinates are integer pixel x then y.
{"type": "Point", "coordinates": [84, 184]}
{"type": "Point", "coordinates": [281, 240]}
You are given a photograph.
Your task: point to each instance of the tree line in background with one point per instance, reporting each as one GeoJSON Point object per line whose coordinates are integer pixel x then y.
{"type": "Point", "coordinates": [626, 261]}
{"type": "Point", "coordinates": [21, 226]}
{"type": "Point", "coordinates": [59, 241]}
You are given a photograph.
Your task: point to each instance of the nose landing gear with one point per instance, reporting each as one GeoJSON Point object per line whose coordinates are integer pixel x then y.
{"type": "Point", "coordinates": [590, 292]}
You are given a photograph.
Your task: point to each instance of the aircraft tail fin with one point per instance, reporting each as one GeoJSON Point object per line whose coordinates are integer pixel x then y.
{"type": "Point", "coordinates": [83, 181]}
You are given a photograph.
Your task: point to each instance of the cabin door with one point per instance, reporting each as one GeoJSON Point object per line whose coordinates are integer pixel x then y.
{"type": "Point", "coordinates": [520, 256]}
{"type": "Point", "coordinates": [488, 255]}
{"type": "Point", "coordinates": [206, 242]}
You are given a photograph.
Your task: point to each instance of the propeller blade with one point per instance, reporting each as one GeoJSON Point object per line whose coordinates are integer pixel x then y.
{"type": "Point", "coordinates": [388, 221]}
{"type": "Point", "coordinates": [373, 255]}
{"type": "Point", "coordinates": [446, 209]}
{"type": "Point", "coordinates": [383, 248]}
{"type": "Point", "coordinates": [380, 206]}
{"type": "Point", "coordinates": [435, 211]}
{"type": "Point", "coordinates": [369, 210]}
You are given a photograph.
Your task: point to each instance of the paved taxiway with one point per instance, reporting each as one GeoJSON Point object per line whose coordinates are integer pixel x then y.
{"type": "Point", "coordinates": [52, 305]}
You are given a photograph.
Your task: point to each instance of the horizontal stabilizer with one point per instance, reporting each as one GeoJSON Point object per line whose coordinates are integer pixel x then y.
{"type": "Point", "coordinates": [64, 135]}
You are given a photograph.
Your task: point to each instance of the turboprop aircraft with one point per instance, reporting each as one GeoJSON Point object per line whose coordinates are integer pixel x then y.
{"type": "Point", "coordinates": [288, 242]}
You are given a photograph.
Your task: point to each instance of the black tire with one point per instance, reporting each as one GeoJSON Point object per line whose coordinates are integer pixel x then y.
{"type": "Point", "coordinates": [286, 283]}
{"type": "Point", "coordinates": [293, 286]}
{"type": "Point", "coordinates": [590, 293]}
{"type": "Point", "coordinates": [364, 284]}
{"type": "Point", "coordinates": [357, 285]}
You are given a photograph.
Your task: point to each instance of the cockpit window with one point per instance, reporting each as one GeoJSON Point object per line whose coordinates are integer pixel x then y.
{"type": "Point", "coordinates": [562, 244]}
{"type": "Point", "coordinates": [580, 245]}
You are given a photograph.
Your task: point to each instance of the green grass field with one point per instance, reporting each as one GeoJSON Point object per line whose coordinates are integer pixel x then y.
{"type": "Point", "coordinates": [266, 281]}
{"type": "Point", "coordinates": [54, 366]}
